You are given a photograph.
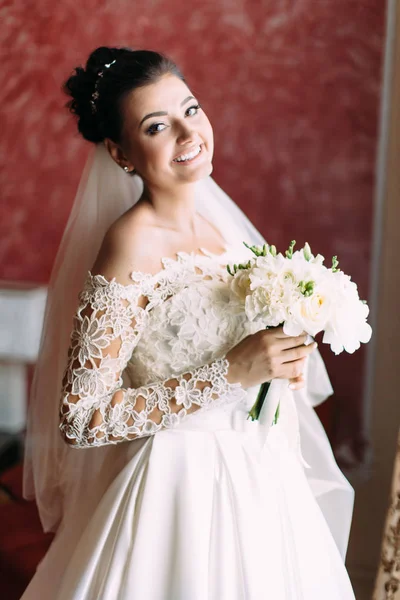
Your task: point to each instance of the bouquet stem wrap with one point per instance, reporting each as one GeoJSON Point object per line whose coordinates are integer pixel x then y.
{"type": "Point", "coordinates": [255, 410]}
{"type": "Point", "coordinates": [254, 413]}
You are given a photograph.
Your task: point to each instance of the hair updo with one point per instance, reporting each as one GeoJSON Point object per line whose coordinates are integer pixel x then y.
{"type": "Point", "coordinates": [132, 69]}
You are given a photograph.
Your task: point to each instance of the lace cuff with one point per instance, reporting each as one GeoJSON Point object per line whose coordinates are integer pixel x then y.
{"type": "Point", "coordinates": [143, 411]}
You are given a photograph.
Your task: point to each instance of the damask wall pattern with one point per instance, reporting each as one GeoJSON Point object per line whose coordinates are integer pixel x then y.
{"type": "Point", "coordinates": [291, 87]}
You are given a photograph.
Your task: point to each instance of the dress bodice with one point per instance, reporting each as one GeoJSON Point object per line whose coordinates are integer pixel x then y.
{"type": "Point", "coordinates": [193, 320]}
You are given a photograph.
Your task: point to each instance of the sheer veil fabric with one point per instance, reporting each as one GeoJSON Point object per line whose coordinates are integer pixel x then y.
{"type": "Point", "coordinates": [57, 476]}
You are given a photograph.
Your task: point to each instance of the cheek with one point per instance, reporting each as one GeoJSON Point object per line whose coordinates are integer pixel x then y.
{"type": "Point", "coordinates": [157, 150]}
{"type": "Point", "coordinates": [208, 129]}
{"type": "Point", "coordinates": [211, 138]}
{"type": "Point", "coordinates": [149, 154]}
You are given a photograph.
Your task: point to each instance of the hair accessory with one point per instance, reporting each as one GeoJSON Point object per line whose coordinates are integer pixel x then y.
{"type": "Point", "coordinates": [95, 94]}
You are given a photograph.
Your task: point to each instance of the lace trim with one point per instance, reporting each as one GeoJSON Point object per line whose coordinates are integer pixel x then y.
{"type": "Point", "coordinates": [174, 274]}
{"type": "Point", "coordinates": [95, 410]}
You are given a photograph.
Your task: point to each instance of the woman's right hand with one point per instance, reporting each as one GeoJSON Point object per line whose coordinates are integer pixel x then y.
{"type": "Point", "coordinates": [266, 355]}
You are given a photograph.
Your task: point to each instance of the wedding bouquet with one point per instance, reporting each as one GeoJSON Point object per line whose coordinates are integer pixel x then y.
{"type": "Point", "coordinates": [299, 292]}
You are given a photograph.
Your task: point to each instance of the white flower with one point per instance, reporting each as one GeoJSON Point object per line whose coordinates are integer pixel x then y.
{"type": "Point", "coordinates": [89, 338]}
{"type": "Point", "coordinates": [173, 419]}
{"type": "Point", "coordinates": [150, 428]}
{"type": "Point", "coordinates": [310, 313]}
{"type": "Point", "coordinates": [274, 287]}
{"type": "Point", "coordinates": [266, 269]}
{"type": "Point", "coordinates": [266, 302]}
{"type": "Point", "coordinates": [187, 394]}
{"type": "Point", "coordinates": [95, 383]}
{"type": "Point", "coordinates": [207, 397]}
{"type": "Point", "coordinates": [241, 284]}
{"type": "Point", "coordinates": [318, 260]}
{"type": "Point", "coordinates": [347, 325]}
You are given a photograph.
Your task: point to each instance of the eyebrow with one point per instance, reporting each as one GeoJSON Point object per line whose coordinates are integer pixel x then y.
{"type": "Point", "coordinates": [161, 113]}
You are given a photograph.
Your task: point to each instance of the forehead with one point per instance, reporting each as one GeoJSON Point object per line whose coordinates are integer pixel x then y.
{"type": "Point", "coordinates": [165, 94]}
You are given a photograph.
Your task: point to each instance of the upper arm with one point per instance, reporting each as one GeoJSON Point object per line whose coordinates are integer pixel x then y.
{"type": "Point", "coordinates": [107, 326]}
{"type": "Point", "coordinates": [129, 245]}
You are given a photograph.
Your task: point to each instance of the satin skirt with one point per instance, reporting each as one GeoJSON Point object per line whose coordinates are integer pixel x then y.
{"type": "Point", "coordinates": [212, 510]}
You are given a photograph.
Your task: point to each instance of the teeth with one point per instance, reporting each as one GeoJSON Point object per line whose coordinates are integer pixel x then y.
{"type": "Point", "coordinates": [189, 156]}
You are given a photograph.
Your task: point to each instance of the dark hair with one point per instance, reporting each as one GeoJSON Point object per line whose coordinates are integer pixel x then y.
{"type": "Point", "coordinates": [132, 69]}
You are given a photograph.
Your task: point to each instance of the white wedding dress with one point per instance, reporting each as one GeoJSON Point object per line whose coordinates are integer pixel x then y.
{"type": "Point", "coordinates": [211, 506]}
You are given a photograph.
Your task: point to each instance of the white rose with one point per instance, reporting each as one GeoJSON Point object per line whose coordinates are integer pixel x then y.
{"type": "Point", "coordinates": [240, 284]}
{"type": "Point", "coordinates": [311, 313]}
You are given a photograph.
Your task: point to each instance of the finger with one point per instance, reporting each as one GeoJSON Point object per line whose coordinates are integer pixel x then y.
{"type": "Point", "coordinates": [297, 353]}
{"type": "Point", "coordinates": [279, 333]}
{"type": "Point", "coordinates": [291, 342]}
{"type": "Point", "coordinates": [297, 383]}
{"type": "Point", "coordinates": [293, 369]}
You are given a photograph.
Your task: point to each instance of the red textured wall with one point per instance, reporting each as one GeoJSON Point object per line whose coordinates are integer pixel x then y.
{"type": "Point", "coordinates": [291, 87]}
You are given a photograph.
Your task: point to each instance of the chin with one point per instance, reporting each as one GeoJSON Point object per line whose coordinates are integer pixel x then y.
{"type": "Point", "coordinates": [201, 173]}
{"type": "Point", "coordinates": [205, 171]}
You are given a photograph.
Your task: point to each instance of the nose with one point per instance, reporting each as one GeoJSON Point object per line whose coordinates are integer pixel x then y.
{"type": "Point", "coordinates": [186, 134]}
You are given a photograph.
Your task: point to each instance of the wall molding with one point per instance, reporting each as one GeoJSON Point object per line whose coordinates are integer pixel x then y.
{"type": "Point", "coordinates": [382, 382]}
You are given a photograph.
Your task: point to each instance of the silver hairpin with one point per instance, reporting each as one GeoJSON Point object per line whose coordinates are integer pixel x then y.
{"type": "Point", "coordinates": [95, 94]}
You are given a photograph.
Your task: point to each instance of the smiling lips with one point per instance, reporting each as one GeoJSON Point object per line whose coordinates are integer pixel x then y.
{"type": "Point", "coordinates": [189, 156]}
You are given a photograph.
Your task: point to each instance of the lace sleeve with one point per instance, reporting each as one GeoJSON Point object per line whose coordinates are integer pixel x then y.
{"type": "Point", "coordinates": [95, 409]}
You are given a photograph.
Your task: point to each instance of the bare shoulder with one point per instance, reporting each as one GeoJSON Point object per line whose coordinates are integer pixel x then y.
{"type": "Point", "coordinates": [132, 243]}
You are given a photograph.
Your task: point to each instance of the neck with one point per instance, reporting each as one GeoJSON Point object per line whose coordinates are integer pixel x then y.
{"type": "Point", "coordinates": [174, 208]}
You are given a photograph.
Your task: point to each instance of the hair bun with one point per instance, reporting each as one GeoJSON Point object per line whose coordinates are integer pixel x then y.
{"type": "Point", "coordinates": [81, 86]}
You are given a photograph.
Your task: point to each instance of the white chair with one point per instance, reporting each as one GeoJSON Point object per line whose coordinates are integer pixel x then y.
{"type": "Point", "coordinates": [21, 318]}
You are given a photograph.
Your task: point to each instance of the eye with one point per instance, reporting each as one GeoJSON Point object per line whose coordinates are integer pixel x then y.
{"type": "Point", "coordinates": [192, 110]}
{"type": "Point", "coordinates": [156, 128]}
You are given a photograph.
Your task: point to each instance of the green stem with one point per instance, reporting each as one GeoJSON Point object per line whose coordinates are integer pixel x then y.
{"type": "Point", "coordinates": [254, 412]}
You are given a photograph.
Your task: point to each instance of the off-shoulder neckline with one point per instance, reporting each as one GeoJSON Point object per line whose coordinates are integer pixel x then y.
{"type": "Point", "coordinates": [180, 257]}
{"type": "Point", "coordinates": [195, 254]}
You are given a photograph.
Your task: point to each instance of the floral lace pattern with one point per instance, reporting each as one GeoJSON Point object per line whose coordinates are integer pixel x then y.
{"type": "Point", "coordinates": [199, 322]}
{"type": "Point", "coordinates": [188, 344]}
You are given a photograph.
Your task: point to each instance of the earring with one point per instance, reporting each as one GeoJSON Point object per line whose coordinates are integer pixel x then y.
{"type": "Point", "coordinates": [126, 169]}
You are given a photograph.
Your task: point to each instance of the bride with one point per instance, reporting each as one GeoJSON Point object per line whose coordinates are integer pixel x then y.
{"type": "Point", "coordinates": [157, 485]}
